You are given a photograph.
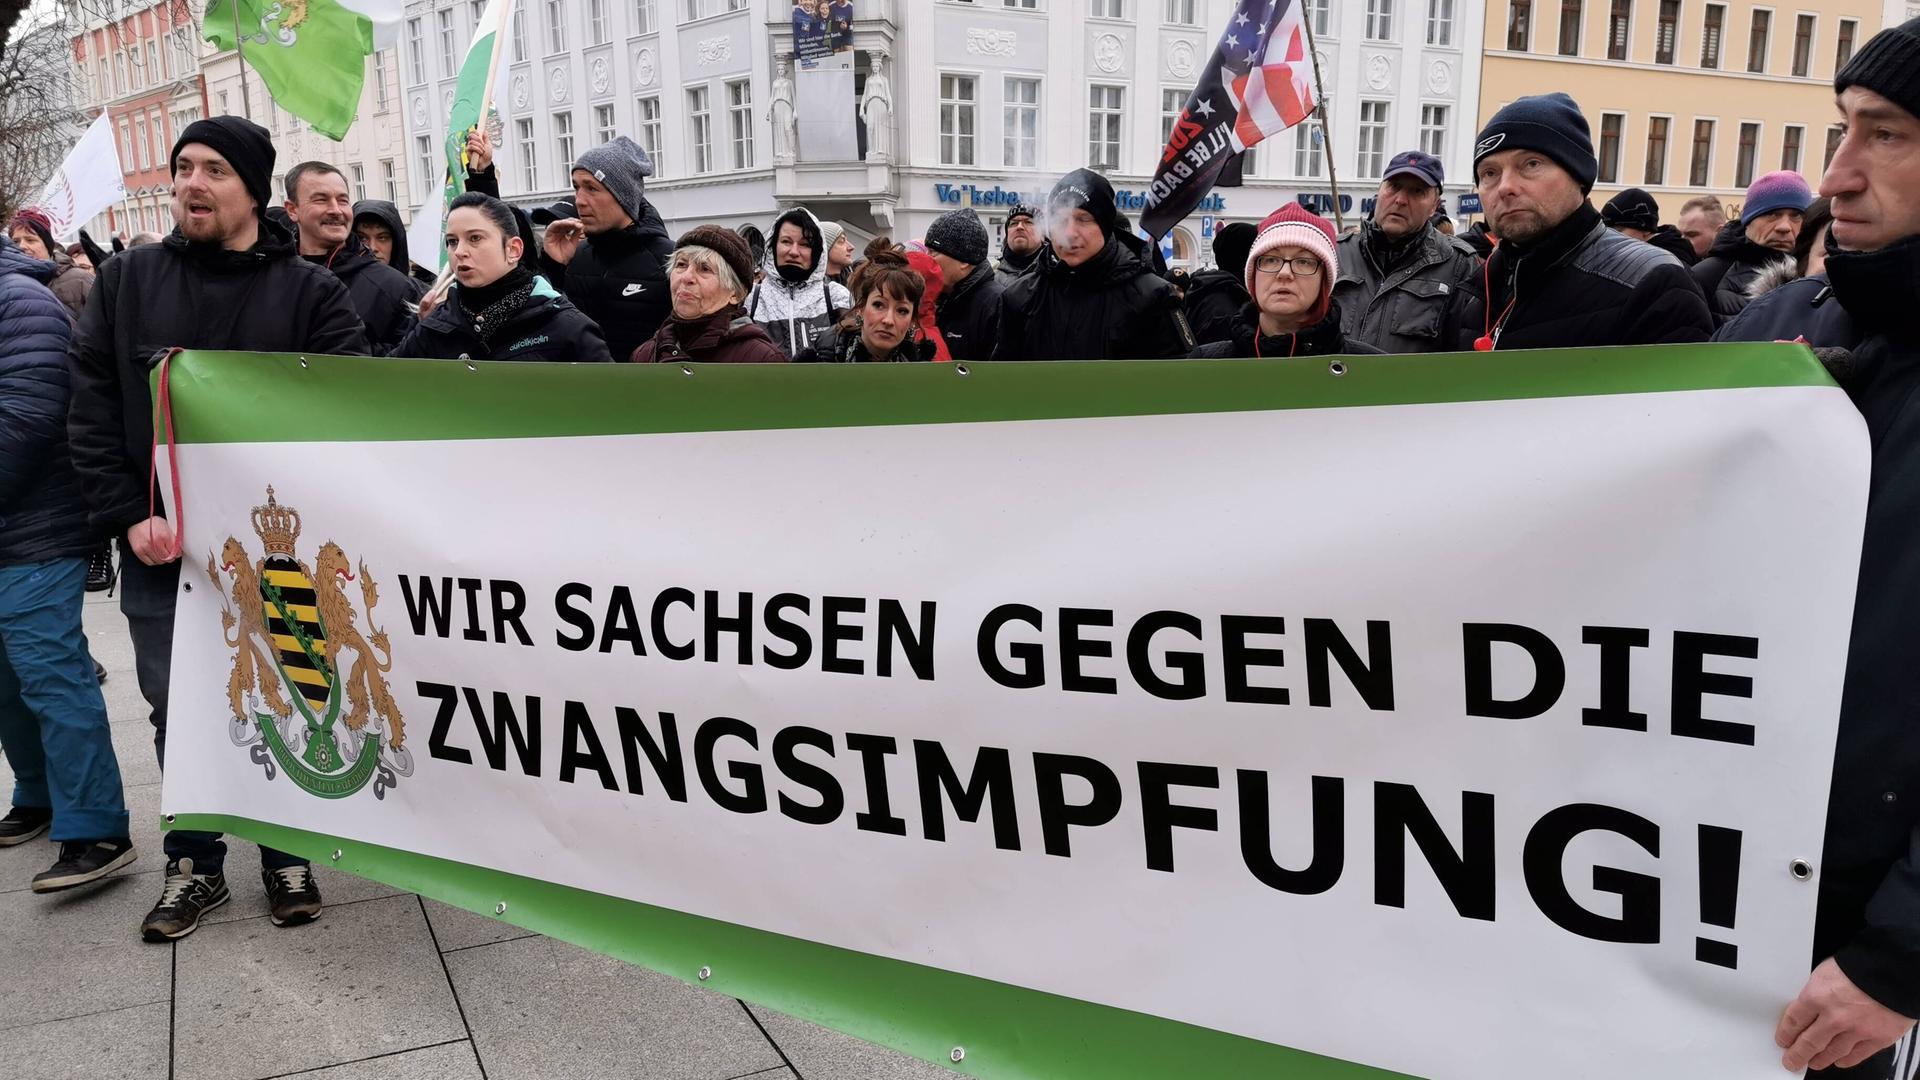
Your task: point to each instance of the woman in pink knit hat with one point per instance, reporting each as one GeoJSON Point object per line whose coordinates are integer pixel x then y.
{"type": "Point", "coordinates": [1290, 272]}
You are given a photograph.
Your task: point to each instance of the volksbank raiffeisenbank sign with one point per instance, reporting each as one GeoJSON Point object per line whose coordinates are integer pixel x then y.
{"type": "Point", "coordinates": [1459, 717]}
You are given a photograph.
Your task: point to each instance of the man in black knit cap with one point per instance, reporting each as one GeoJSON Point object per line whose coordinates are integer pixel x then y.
{"type": "Point", "coordinates": [1635, 213]}
{"type": "Point", "coordinates": [1855, 1016]}
{"type": "Point", "coordinates": [968, 311]}
{"type": "Point", "coordinates": [226, 278]}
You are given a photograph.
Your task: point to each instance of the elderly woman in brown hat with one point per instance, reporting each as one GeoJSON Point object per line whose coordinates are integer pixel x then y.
{"type": "Point", "coordinates": [707, 281]}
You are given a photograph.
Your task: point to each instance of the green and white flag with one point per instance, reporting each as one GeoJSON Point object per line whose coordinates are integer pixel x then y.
{"type": "Point", "coordinates": [310, 53]}
{"type": "Point", "coordinates": [473, 94]}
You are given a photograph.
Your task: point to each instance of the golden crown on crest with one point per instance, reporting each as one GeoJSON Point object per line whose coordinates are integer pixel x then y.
{"type": "Point", "coordinates": [276, 525]}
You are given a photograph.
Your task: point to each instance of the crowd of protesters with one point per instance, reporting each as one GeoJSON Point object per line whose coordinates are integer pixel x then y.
{"type": "Point", "coordinates": [599, 278]}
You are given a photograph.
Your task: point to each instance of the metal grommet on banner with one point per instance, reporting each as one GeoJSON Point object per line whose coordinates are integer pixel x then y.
{"type": "Point", "coordinates": [186, 586]}
{"type": "Point", "coordinates": [958, 1055]}
{"type": "Point", "coordinates": [500, 908]}
{"type": "Point", "coordinates": [169, 819]}
{"type": "Point", "coordinates": [1337, 368]}
{"type": "Point", "coordinates": [336, 854]}
{"type": "Point", "coordinates": [685, 370]}
{"type": "Point", "coordinates": [705, 973]}
{"type": "Point", "coordinates": [960, 369]}
{"type": "Point", "coordinates": [471, 366]}
{"type": "Point", "coordinates": [303, 363]}
{"type": "Point", "coordinates": [1801, 869]}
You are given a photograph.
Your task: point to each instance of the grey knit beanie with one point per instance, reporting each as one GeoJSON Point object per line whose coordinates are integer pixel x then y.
{"type": "Point", "coordinates": [958, 234]}
{"type": "Point", "coordinates": [622, 167]}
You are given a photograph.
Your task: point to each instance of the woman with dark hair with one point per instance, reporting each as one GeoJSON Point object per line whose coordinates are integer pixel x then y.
{"type": "Point", "coordinates": [884, 323]}
{"type": "Point", "coordinates": [497, 309]}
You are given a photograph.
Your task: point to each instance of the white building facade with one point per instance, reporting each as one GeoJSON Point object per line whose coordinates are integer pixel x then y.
{"type": "Point", "coordinates": [985, 103]}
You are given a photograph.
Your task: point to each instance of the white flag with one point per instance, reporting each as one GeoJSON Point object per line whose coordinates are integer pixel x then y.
{"type": "Point", "coordinates": [88, 181]}
{"type": "Point", "coordinates": [426, 237]}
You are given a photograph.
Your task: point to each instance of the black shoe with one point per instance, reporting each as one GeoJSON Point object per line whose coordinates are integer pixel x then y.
{"type": "Point", "coordinates": [100, 569]}
{"type": "Point", "coordinates": [82, 861]}
{"type": "Point", "coordinates": [23, 823]}
{"type": "Point", "coordinates": [291, 894]}
{"type": "Point", "coordinates": [183, 900]}
{"type": "Point", "coordinates": [99, 672]}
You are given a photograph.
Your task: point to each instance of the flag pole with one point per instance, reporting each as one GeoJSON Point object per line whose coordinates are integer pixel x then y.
{"type": "Point", "coordinates": [246, 99]}
{"type": "Point", "coordinates": [1320, 106]}
{"type": "Point", "coordinates": [440, 287]}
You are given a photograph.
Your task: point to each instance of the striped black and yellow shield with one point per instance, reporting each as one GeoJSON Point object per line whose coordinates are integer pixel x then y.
{"type": "Point", "coordinates": [286, 593]}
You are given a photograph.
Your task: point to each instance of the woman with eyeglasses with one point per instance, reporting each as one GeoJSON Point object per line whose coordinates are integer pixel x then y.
{"type": "Point", "coordinates": [1290, 272]}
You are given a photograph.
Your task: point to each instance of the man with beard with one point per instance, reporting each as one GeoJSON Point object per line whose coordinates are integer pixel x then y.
{"type": "Point", "coordinates": [1769, 224]}
{"type": "Point", "coordinates": [1559, 277]}
{"type": "Point", "coordinates": [1021, 246]}
{"type": "Point", "coordinates": [1401, 282]}
{"type": "Point", "coordinates": [322, 216]}
{"type": "Point", "coordinates": [224, 279]}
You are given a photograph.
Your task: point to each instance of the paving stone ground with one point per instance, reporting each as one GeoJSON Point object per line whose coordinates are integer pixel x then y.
{"type": "Point", "coordinates": [386, 986]}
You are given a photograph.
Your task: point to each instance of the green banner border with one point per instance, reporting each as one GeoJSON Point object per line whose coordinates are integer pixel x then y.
{"type": "Point", "coordinates": [1006, 1031]}
{"type": "Point", "coordinates": [264, 398]}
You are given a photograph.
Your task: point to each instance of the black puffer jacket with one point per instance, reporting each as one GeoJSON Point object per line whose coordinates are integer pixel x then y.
{"type": "Point", "coordinates": [1111, 307]}
{"type": "Point", "coordinates": [1582, 284]}
{"type": "Point", "coordinates": [1214, 300]}
{"type": "Point", "coordinates": [535, 324]}
{"type": "Point", "coordinates": [386, 214]}
{"type": "Point", "coordinates": [173, 294]}
{"type": "Point", "coordinates": [1244, 342]}
{"type": "Point", "coordinates": [968, 314]}
{"type": "Point", "coordinates": [1668, 239]}
{"type": "Point", "coordinates": [618, 279]}
{"type": "Point", "coordinates": [839, 345]}
{"type": "Point", "coordinates": [42, 515]}
{"type": "Point", "coordinates": [380, 293]}
{"type": "Point", "coordinates": [1729, 270]}
{"type": "Point", "coordinates": [1803, 309]}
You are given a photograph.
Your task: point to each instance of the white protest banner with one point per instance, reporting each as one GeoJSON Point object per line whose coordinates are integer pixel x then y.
{"type": "Point", "coordinates": [1463, 717]}
{"type": "Point", "coordinates": [88, 181]}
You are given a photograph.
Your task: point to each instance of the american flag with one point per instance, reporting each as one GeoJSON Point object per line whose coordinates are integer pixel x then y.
{"type": "Point", "coordinates": [1258, 83]}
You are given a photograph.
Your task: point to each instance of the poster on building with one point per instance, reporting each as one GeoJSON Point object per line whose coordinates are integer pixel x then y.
{"type": "Point", "coordinates": [822, 29]}
{"type": "Point", "coordinates": [1288, 718]}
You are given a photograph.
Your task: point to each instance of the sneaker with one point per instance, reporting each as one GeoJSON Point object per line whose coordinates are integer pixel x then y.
{"type": "Point", "coordinates": [100, 569]}
{"type": "Point", "coordinates": [23, 823]}
{"type": "Point", "coordinates": [183, 900]}
{"type": "Point", "coordinates": [82, 861]}
{"type": "Point", "coordinates": [291, 894]}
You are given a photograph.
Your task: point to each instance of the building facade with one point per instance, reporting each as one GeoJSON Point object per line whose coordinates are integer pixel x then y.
{"type": "Point", "coordinates": [1685, 97]}
{"type": "Point", "coordinates": [143, 69]}
{"type": "Point", "coordinates": [982, 102]}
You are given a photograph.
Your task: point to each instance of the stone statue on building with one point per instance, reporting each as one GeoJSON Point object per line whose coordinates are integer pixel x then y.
{"type": "Point", "coordinates": [786, 132]}
{"type": "Point", "coordinates": [876, 108]}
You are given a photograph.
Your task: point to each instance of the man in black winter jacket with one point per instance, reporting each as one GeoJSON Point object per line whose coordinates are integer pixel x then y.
{"type": "Point", "coordinates": [968, 311]}
{"type": "Point", "coordinates": [1635, 213]}
{"type": "Point", "coordinates": [1021, 245]}
{"type": "Point", "coordinates": [225, 278]}
{"type": "Point", "coordinates": [1215, 297]}
{"type": "Point", "coordinates": [1402, 281]}
{"type": "Point", "coordinates": [377, 223]}
{"type": "Point", "coordinates": [1089, 296]}
{"type": "Point", "coordinates": [322, 216]}
{"type": "Point", "coordinates": [1559, 277]}
{"type": "Point", "coordinates": [1769, 223]}
{"type": "Point", "coordinates": [612, 260]}
{"type": "Point", "coordinates": [1864, 992]}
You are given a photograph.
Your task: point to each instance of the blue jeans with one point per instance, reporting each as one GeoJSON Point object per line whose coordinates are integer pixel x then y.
{"type": "Point", "coordinates": [53, 721]}
{"type": "Point", "coordinates": [147, 598]}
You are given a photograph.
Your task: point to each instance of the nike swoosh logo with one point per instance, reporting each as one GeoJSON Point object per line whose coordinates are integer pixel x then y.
{"type": "Point", "coordinates": [632, 290]}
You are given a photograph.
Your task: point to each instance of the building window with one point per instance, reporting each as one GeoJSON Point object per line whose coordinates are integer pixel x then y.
{"type": "Point", "coordinates": [390, 180]}
{"type": "Point", "coordinates": [705, 9]}
{"type": "Point", "coordinates": [1619, 29]}
{"type": "Point", "coordinates": [700, 129]}
{"type": "Point", "coordinates": [529, 154]}
{"type": "Point", "coordinates": [423, 163]}
{"type": "Point", "coordinates": [1020, 123]}
{"type": "Point", "coordinates": [1379, 20]}
{"type": "Point", "coordinates": [556, 26]}
{"type": "Point", "coordinates": [416, 52]}
{"type": "Point", "coordinates": [1433, 130]}
{"type": "Point", "coordinates": [1570, 13]}
{"type": "Point", "coordinates": [1181, 12]}
{"type": "Point", "coordinates": [563, 139]}
{"type": "Point", "coordinates": [603, 132]}
{"type": "Point", "coordinates": [1803, 46]}
{"type": "Point", "coordinates": [1757, 37]}
{"type": "Point", "coordinates": [596, 22]}
{"type": "Point", "coordinates": [652, 135]}
{"type": "Point", "coordinates": [1373, 138]}
{"type": "Point", "coordinates": [359, 183]}
{"type": "Point", "coordinates": [1611, 125]}
{"type": "Point", "coordinates": [1250, 162]}
{"type": "Point", "coordinates": [1108, 9]}
{"type": "Point", "coordinates": [1749, 150]}
{"type": "Point", "coordinates": [1667, 32]}
{"type": "Point", "coordinates": [1103, 126]}
{"type": "Point", "coordinates": [382, 84]}
{"type": "Point", "coordinates": [1307, 150]}
{"type": "Point", "coordinates": [1656, 150]}
{"type": "Point", "coordinates": [1173, 101]}
{"type": "Point", "coordinates": [1834, 135]}
{"type": "Point", "coordinates": [1519, 25]}
{"type": "Point", "coordinates": [740, 122]}
{"type": "Point", "coordinates": [1844, 51]}
{"type": "Point", "coordinates": [443, 21]}
{"type": "Point", "coordinates": [1702, 168]}
{"type": "Point", "coordinates": [644, 17]}
{"type": "Point", "coordinates": [140, 142]}
{"type": "Point", "coordinates": [1791, 138]}
{"type": "Point", "coordinates": [1318, 16]}
{"type": "Point", "coordinates": [1710, 35]}
{"type": "Point", "coordinates": [1440, 23]}
{"type": "Point", "coordinates": [959, 97]}
{"type": "Point", "coordinates": [519, 34]}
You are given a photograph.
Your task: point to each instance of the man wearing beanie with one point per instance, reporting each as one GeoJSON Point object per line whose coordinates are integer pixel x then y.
{"type": "Point", "coordinates": [1634, 213]}
{"type": "Point", "coordinates": [1854, 1017]}
{"type": "Point", "coordinates": [968, 312]}
{"type": "Point", "coordinates": [1088, 296]}
{"type": "Point", "coordinates": [1021, 245]}
{"type": "Point", "coordinates": [610, 260]}
{"type": "Point", "coordinates": [1215, 296]}
{"type": "Point", "coordinates": [225, 279]}
{"type": "Point", "coordinates": [1763, 237]}
{"type": "Point", "coordinates": [839, 249]}
{"type": "Point", "coordinates": [1559, 277]}
{"type": "Point", "coordinates": [1402, 283]}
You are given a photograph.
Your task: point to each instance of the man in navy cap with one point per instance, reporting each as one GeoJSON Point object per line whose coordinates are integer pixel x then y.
{"type": "Point", "coordinates": [1401, 280]}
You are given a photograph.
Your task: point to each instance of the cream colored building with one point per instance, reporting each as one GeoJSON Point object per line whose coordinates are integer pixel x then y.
{"type": "Point", "coordinates": [1685, 97]}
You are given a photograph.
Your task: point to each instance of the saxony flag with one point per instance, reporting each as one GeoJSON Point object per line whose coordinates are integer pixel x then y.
{"type": "Point", "coordinates": [310, 53]}
{"type": "Point", "coordinates": [472, 95]}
